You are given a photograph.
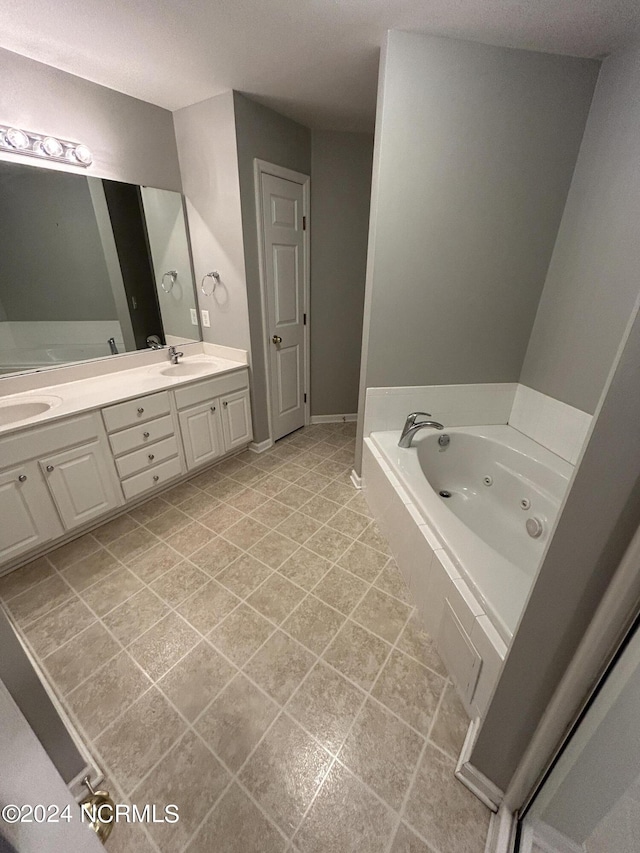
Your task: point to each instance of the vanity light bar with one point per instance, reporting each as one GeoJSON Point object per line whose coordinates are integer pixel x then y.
{"type": "Point", "coordinates": [18, 141]}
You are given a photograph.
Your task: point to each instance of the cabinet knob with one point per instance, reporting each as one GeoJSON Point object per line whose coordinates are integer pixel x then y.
{"type": "Point", "coordinates": [49, 468]}
{"type": "Point", "coordinates": [156, 478]}
{"type": "Point", "coordinates": [213, 408]}
{"type": "Point", "coordinates": [146, 434]}
{"type": "Point", "coordinates": [140, 410]}
{"type": "Point", "coordinates": [225, 404]}
{"type": "Point", "coordinates": [22, 478]}
{"type": "Point", "coordinates": [151, 456]}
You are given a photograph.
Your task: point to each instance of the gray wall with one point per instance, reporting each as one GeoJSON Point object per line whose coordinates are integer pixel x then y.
{"type": "Point", "coordinates": [340, 198]}
{"type": "Point", "coordinates": [592, 281]}
{"type": "Point", "coordinates": [266, 135]}
{"type": "Point", "coordinates": [131, 140]}
{"type": "Point", "coordinates": [52, 264]}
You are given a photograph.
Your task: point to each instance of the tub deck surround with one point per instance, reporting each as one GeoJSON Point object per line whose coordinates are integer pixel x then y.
{"type": "Point", "coordinates": [263, 665]}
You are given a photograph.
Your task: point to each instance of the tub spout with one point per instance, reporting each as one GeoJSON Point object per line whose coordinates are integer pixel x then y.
{"type": "Point", "coordinates": [411, 427]}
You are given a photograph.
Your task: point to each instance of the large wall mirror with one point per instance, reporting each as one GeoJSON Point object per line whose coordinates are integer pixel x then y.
{"type": "Point", "coordinates": [89, 268]}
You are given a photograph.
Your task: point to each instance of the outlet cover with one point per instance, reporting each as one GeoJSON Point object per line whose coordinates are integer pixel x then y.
{"type": "Point", "coordinates": [194, 316]}
{"type": "Point", "coordinates": [205, 318]}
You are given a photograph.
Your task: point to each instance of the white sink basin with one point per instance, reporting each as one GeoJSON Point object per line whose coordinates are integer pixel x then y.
{"type": "Point", "coordinates": [187, 368]}
{"type": "Point", "coordinates": [12, 411]}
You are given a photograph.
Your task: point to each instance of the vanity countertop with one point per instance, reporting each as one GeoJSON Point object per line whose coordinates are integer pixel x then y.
{"type": "Point", "coordinates": [72, 398]}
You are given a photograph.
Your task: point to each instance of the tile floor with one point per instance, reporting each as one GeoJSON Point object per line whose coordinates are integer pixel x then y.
{"type": "Point", "coordinates": [245, 647]}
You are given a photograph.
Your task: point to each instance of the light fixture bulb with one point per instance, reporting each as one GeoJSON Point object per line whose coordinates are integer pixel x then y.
{"type": "Point", "coordinates": [83, 155]}
{"type": "Point", "coordinates": [17, 138]}
{"type": "Point", "coordinates": [52, 146]}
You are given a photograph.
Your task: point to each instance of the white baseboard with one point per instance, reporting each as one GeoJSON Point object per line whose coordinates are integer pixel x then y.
{"type": "Point", "coordinates": [356, 479]}
{"type": "Point", "coordinates": [472, 778]}
{"type": "Point", "coordinates": [260, 446]}
{"type": "Point", "coordinates": [334, 419]}
{"type": "Point", "coordinates": [502, 832]}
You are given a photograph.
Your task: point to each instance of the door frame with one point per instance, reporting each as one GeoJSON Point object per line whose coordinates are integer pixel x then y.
{"type": "Point", "coordinates": [260, 168]}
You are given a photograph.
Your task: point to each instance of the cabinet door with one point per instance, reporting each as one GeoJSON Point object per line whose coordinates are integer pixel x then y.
{"type": "Point", "coordinates": [236, 419]}
{"type": "Point", "coordinates": [81, 483]}
{"type": "Point", "coordinates": [201, 434]}
{"type": "Point", "coordinates": [29, 518]}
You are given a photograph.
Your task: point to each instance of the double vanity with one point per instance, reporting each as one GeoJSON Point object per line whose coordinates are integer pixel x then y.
{"type": "Point", "coordinates": [71, 455]}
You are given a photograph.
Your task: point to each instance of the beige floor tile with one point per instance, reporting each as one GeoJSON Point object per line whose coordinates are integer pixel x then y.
{"type": "Point", "coordinates": [269, 462]}
{"type": "Point", "coordinates": [76, 660]}
{"type": "Point", "coordinates": [207, 478]}
{"type": "Point", "coordinates": [279, 666]}
{"type": "Point", "coordinates": [57, 626]}
{"type": "Point", "coordinates": [236, 720]}
{"type": "Point", "coordinates": [272, 513]}
{"type": "Point", "coordinates": [114, 529]}
{"type": "Point", "coordinates": [40, 599]}
{"type": "Point", "coordinates": [382, 614]}
{"type": "Point", "coordinates": [390, 580]}
{"type": "Point", "coordinates": [358, 503]}
{"type": "Point", "coordinates": [215, 556]}
{"type": "Point", "coordinates": [294, 496]}
{"type": "Point", "coordinates": [130, 838]}
{"type": "Point", "coordinates": [411, 690]}
{"type": "Point", "coordinates": [340, 589]}
{"type": "Point", "coordinates": [374, 538]}
{"type": "Point", "coordinates": [236, 825]}
{"type": "Point", "coordinates": [208, 606]}
{"type": "Point", "coordinates": [90, 569]}
{"type": "Point", "coordinates": [415, 642]}
{"type": "Point", "coordinates": [130, 546]}
{"type": "Point", "coordinates": [112, 688]}
{"type": "Point", "coordinates": [198, 505]}
{"type": "Point", "coordinates": [196, 679]}
{"type": "Point", "coordinates": [221, 517]}
{"type": "Point", "coordinates": [305, 568]}
{"type": "Point", "coordinates": [332, 469]}
{"type": "Point", "coordinates": [406, 841]}
{"type": "Point", "coordinates": [190, 777]}
{"type": "Point", "coordinates": [246, 532]}
{"type": "Point", "coordinates": [348, 522]}
{"type": "Point", "coordinates": [383, 752]}
{"type": "Point", "coordinates": [314, 482]}
{"type": "Point", "coordinates": [274, 549]}
{"type": "Point", "coordinates": [146, 511]}
{"type": "Point", "coordinates": [247, 500]}
{"type": "Point", "coordinates": [308, 459]}
{"type": "Point", "coordinates": [179, 583]}
{"type": "Point", "coordinates": [326, 705]}
{"type": "Point", "coordinates": [320, 508]}
{"type": "Point", "coordinates": [241, 634]}
{"type": "Point", "coordinates": [190, 538]}
{"type": "Point", "coordinates": [443, 811]}
{"type": "Point", "coordinates": [363, 561]}
{"type": "Point", "coordinates": [248, 475]}
{"type": "Point", "coordinates": [345, 816]}
{"type": "Point", "coordinates": [159, 648]}
{"type": "Point", "coordinates": [110, 592]}
{"type": "Point", "coordinates": [180, 493]}
{"type": "Point", "coordinates": [314, 624]}
{"type": "Point", "coordinates": [276, 598]}
{"type": "Point", "coordinates": [67, 554]}
{"type": "Point", "coordinates": [299, 527]}
{"type": "Point", "coordinates": [358, 654]}
{"type": "Point", "coordinates": [290, 472]}
{"type": "Point", "coordinates": [24, 578]}
{"type": "Point", "coordinates": [154, 562]}
{"type": "Point", "coordinates": [135, 616]}
{"type": "Point", "coordinates": [328, 543]}
{"type": "Point", "coordinates": [284, 773]}
{"type": "Point", "coordinates": [450, 727]}
{"type": "Point", "coordinates": [168, 523]}
{"type": "Point", "coordinates": [270, 485]}
{"type": "Point", "coordinates": [137, 739]}
{"type": "Point", "coordinates": [244, 575]}
{"type": "Point", "coordinates": [339, 493]}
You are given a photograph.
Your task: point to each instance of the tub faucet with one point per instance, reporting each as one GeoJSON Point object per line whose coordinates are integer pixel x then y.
{"type": "Point", "coordinates": [411, 427]}
{"type": "Point", "coordinates": [174, 355]}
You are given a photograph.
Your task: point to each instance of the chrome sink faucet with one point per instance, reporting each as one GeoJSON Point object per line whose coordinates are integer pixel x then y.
{"type": "Point", "coordinates": [174, 355]}
{"type": "Point", "coordinates": [411, 427]}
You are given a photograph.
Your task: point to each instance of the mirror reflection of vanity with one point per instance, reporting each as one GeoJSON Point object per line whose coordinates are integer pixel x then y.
{"type": "Point", "coordinates": [89, 268]}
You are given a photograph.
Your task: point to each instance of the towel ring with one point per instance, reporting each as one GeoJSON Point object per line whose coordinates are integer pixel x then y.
{"type": "Point", "coordinates": [173, 275]}
{"type": "Point", "coordinates": [216, 281]}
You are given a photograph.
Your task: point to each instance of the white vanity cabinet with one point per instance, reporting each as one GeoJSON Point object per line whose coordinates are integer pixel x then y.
{"type": "Point", "coordinates": [28, 518]}
{"type": "Point", "coordinates": [236, 419]}
{"type": "Point", "coordinates": [201, 433]}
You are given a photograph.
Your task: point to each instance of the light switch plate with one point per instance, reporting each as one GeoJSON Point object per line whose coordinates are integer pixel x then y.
{"type": "Point", "coordinates": [194, 316]}
{"type": "Point", "coordinates": [205, 318]}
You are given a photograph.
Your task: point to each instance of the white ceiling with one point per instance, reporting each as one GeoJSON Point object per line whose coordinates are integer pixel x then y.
{"type": "Point", "coordinates": [314, 60]}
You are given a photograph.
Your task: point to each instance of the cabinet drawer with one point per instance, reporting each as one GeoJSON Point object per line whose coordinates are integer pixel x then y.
{"type": "Point", "coordinates": [200, 392]}
{"type": "Point", "coordinates": [136, 411]}
{"type": "Point", "coordinates": [141, 435]}
{"type": "Point", "coordinates": [144, 458]}
{"type": "Point", "coordinates": [152, 478]}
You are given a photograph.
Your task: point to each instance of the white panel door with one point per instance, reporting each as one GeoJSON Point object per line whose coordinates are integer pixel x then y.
{"type": "Point", "coordinates": [28, 516]}
{"type": "Point", "coordinates": [285, 263]}
{"type": "Point", "coordinates": [236, 419]}
{"type": "Point", "coordinates": [81, 483]}
{"type": "Point", "coordinates": [201, 433]}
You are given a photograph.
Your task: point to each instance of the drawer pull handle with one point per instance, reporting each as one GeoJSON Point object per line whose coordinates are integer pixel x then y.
{"type": "Point", "coordinates": [49, 468]}
{"type": "Point", "coordinates": [156, 478]}
{"type": "Point", "coordinates": [213, 408]}
{"type": "Point", "coordinates": [151, 456]}
{"type": "Point", "coordinates": [22, 478]}
{"type": "Point", "coordinates": [225, 404]}
{"type": "Point", "coordinates": [146, 434]}
{"type": "Point", "coordinates": [140, 410]}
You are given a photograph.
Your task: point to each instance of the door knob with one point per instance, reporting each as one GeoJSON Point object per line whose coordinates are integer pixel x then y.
{"type": "Point", "coordinates": [276, 339]}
